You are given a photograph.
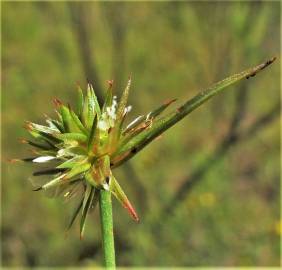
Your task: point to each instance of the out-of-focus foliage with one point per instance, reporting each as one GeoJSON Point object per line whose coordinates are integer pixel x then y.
{"type": "Point", "coordinates": [172, 49]}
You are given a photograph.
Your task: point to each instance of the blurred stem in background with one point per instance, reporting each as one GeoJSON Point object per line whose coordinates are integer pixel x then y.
{"type": "Point", "coordinates": [216, 156]}
{"type": "Point", "coordinates": [79, 24]}
{"type": "Point", "coordinates": [114, 15]}
{"type": "Point", "coordinates": [233, 135]}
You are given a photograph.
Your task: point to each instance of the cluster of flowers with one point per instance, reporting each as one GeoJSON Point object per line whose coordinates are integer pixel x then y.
{"type": "Point", "coordinates": [81, 148]}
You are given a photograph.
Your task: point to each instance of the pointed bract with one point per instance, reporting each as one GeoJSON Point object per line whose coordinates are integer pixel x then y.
{"type": "Point", "coordinates": [117, 191]}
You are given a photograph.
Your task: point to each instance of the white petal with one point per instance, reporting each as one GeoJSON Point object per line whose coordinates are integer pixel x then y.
{"type": "Point", "coordinates": [103, 125]}
{"type": "Point", "coordinates": [127, 109]}
{"type": "Point", "coordinates": [133, 122]}
{"type": "Point", "coordinates": [148, 116]}
{"type": "Point", "coordinates": [43, 159]}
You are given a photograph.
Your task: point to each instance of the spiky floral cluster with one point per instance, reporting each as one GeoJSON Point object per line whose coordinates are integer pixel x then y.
{"type": "Point", "coordinates": [81, 148]}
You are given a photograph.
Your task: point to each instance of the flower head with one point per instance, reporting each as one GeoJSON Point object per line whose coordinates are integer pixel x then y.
{"type": "Point", "coordinates": [81, 147]}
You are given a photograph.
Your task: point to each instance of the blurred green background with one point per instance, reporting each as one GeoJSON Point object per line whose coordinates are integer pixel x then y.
{"type": "Point", "coordinates": [208, 191]}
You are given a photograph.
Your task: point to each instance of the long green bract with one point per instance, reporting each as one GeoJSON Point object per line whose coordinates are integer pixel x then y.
{"type": "Point", "coordinates": [128, 150]}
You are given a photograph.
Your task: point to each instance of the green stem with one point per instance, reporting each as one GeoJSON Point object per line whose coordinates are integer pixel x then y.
{"type": "Point", "coordinates": [106, 216]}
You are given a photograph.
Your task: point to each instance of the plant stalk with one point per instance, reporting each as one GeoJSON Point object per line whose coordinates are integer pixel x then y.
{"type": "Point", "coordinates": [106, 216]}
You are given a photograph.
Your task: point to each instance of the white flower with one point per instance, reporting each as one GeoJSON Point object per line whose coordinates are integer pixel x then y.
{"type": "Point", "coordinates": [108, 117]}
{"type": "Point", "coordinates": [128, 108]}
{"type": "Point", "coordinates": [103, 125]}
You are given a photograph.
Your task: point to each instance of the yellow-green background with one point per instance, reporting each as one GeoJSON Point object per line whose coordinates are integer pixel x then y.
{"type": "Point", "coordinates": [172, 49]}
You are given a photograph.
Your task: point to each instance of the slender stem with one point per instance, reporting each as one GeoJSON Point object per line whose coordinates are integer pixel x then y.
{"type": "Point", "coordinates": [106, 216]}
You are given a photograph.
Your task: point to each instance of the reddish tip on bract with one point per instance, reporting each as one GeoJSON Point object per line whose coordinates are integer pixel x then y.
{"type": "Point", "coordinates": [57, 102]}
{"type": "Point", "coordinates": [110, 82]}
{"type": "Point", "coordinates": [169, 101]}
{"type": "Point", "coordinates": [28, 125]}
{"type": "Point", "coordinates": [13, 160]}
{"type": "Point", "coordinates": [22, 140]}
{"type": "Point", "coordinates": [131, 210]}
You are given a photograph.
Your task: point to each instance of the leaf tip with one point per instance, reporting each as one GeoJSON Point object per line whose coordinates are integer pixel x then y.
{"type": "Point", "coordinates": [131, 210]}
{"type": "Point", "coordinates": [27, 125]}
{"type": "Point", "coordinates": [260, 67]}
{"type": "Point", "coordinates": [23, 140]}
{"type": "Point", "coordinates": [13, 160]}
{"type": "Point", "coordinates": [57, 102]}
{"type": "Point", "coordinates": [110, 83]}
{"type": "Point", "coordinates": [169, 101]}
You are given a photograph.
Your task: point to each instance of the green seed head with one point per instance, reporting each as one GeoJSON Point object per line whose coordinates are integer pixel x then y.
{"type": "Point", "coordinates": [81, 147]}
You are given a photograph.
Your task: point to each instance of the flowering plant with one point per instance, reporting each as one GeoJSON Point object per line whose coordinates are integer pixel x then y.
{"type": "Point", "coordinates": [82, 146]}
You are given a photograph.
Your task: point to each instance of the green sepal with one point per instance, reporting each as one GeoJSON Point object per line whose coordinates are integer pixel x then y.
{"type": "Point", "coordinates": [105, 165]}
{"type": "Point", "coordinates": [48, 172]}
{"type": "Point", "coordinates": [78, 169]}
{"type": "Point", "coordinates": [94, 101]}
{"type": "Point", "coordinates": [90, 200]}
{"type": "Point", "coordinates": [75, 213]}
{"type": "Point", "coordinates": [78, 123]}
{"type": "Point", "coordinates": [59, 125]}
{"type": "Point", "coordinates": [92, 137]}
{"type": "Point", "coordinates": [123, 101]}
{"type": "Point", "coordinates": [90, 107]}
{"type": "Point", "coordinates": [72, 162]}
{"type": "Point", "coordinates": [45, 152]}
{"type": "Point", "coordinates": [69, 151]}
{"type": "Point", "coordinates": [115, 135]}
{"type": "Point", "coordinates": [117, 191]}
{"type": "Point", "coordinates": [133, 133]}
{"type": "Point", "coordinates": [59, 180]}
{"type": "Point", "coordinates": [41, 128]}
{"type": "Point", "coordinates": [85, 112]}
{"type": "Point", "coordinates": [66, 176]}
{"type": "Point", "coordinates": [50, 139]}
{"type": "Point", "coordinates": [38, 145]}
{"type": "Point", "coordinates": [87, 193]}
{"type": "Point", "coordinates": [68, 122]}
{"type": "Point", "coordinates": [80, 101]}
{"type": "Point", "coordinates": [79, 137]}
{"type": "Point", "coordinates": [90, 180]}
{"type": "Point", "coordinates": [153, 114]}
{"type": "Point", "coordinates": [108, 99]}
